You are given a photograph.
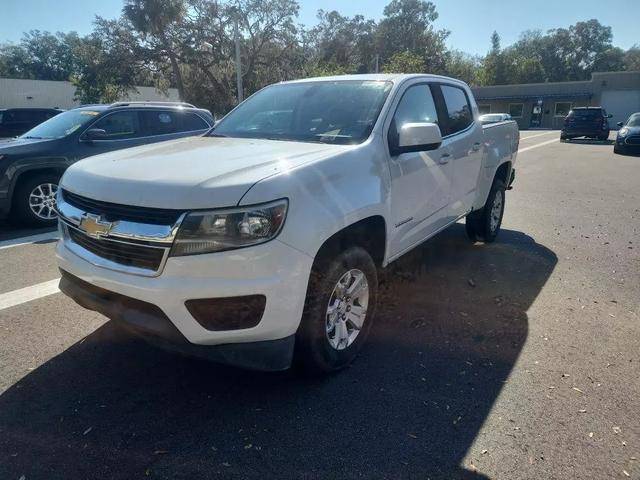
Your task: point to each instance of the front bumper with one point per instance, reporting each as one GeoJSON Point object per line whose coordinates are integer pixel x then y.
{"type": "Point", "coordinates": [149, 322]}
{"type": "Point", "coordinates": [273, 269]}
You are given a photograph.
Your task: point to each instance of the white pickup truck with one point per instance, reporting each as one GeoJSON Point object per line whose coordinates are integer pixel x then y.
{"type": "Point", "coordinates": [258, 244]}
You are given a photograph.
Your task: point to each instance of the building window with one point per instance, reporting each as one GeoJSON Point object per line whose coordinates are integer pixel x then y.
{"type": "Point", "coordinates": [485, 108]}
{"type": "Point", "coordinates": [562, 109]}
{"type": "Point", "coordinates": [515, 110]}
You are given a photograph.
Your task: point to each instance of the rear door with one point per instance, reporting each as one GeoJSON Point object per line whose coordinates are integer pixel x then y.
{"type": "Point", "coordinates": [462, 138]}
{"type": "Point", "coordinates": [162, 125]}
{"type": "Point", "coordinates": [420, 181]}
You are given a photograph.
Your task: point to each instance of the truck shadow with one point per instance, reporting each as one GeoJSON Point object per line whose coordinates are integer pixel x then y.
{"type": "Point", "coordinates": [451, 324]}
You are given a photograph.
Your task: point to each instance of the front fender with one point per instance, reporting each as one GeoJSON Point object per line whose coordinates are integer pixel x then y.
{"type": "Point", "coordinates": [20, 166]}
{"type": "Point", "coordinates": [328, 195]}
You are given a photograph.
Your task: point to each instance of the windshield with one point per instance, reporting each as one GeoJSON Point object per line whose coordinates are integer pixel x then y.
{"type": "Point", "coordinates": [634, 120]}
{"type": "Point", "coordinates": [63, 124]}
{"type": "Point", "coordinates": [341, 112]}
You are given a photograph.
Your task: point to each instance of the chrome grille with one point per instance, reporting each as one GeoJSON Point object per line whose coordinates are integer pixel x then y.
{"type": "Point", "coordinates": [127, 254]}
{"type": "Point", "coordinates": [113, 211]}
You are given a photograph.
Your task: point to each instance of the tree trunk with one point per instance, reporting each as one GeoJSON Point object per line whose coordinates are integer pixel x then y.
{"type": "Point", "coordinates": [178, 74]}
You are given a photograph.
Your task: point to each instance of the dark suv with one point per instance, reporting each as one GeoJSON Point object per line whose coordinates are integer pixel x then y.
{"type": "Point", "coordinates": [31, 165]}
{"type": "Point", "coordinates": [590, 122]}
{"type": "Point", "coordinates": [16, 121]}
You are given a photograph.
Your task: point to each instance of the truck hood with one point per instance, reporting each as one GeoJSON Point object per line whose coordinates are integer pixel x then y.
{"type": "Point", "coordinates": [189, 173]}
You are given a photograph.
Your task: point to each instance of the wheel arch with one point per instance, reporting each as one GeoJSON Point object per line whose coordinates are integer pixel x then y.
{"type": "Point", "coordinates": [503, 172]}
{"type": "Point", "coordinates": [26, 174]}
{"type": "Point", "coordinates": [369, 233]}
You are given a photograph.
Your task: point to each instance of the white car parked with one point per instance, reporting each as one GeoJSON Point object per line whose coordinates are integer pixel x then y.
{"type": "Point", "coordinates": [260, 242]}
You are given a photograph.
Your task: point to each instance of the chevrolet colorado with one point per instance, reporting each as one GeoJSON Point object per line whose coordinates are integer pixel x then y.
{"type": "Point", "coordinates": [259, 243]}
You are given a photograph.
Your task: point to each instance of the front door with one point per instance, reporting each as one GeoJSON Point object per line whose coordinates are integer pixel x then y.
{"type": "Point", "coordinates": [123, 130]}
{"type": "Point", "coordinates": [420, 181]}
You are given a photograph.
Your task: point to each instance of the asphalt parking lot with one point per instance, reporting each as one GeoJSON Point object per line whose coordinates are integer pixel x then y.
{"type": "Point", "coordinates": [517, 359]}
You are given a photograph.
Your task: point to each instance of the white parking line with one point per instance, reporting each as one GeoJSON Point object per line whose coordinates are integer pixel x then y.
{"type": "Point", "coordinates": [538, 145]}
{"type": "Point", "coordinates": [16, 242]}
{"type": "Point", "coordinates": [24, 295]}
{"type": "Point", "coordinates": [538, 135]}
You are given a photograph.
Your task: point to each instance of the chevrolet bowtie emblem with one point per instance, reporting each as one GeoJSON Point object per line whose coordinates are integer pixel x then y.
{"type": "Point", "coordinates": [93, 226]}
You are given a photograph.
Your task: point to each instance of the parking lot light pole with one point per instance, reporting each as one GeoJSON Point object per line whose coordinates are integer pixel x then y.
{"type": "Point", "coordinates": [238, 63]}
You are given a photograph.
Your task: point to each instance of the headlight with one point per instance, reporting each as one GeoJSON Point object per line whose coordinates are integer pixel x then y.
{"type": "Point", "coordinates": [219, 230]}
{"type": "Point", "coordinates": [623, 132]}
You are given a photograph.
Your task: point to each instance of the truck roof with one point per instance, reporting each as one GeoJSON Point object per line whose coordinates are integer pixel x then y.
{"type": "Point", "coordinates": [373, 77]}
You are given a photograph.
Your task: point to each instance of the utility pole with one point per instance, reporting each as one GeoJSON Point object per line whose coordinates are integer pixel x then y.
{"type": "Point", "coordinates": [377, 63]}
{"type": "Point", "coordinates": [238, 63]}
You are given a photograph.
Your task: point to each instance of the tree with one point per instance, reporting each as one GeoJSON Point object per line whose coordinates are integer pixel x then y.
{"type": "Point", "coordinates": [341, 44]}
{"type": "Point", "coordinates": [110, 64]}
{"type": "Point", "coordinates": [405, 62]}
{"type": "Point", "coordinates": [41, 55]}
{"type": "Point", "coordinates": [407, 25]}
{"type": "Point", "coordinates": [493, 68]}
{"type": "Point", "coordinates": [632, 59]}
{"type": "Point", "coordinates": [463, 66]}
{"type": "Point", "coordinates": [158, 26]}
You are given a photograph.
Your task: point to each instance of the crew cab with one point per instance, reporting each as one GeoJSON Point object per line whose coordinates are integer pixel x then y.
{"type": "Point", "coordinates": [259, 244]}
{"type": "Point", "coordinates": [32, 164]}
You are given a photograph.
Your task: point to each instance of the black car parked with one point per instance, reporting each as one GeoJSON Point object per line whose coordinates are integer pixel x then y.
{"type": "Point", "coordinates": [16, 121]}
{"type": "Point", "coordinates": [590, 122]}
{"type": "Point", "coordinates": [628, 138]}
{"type": "Point", "coordinates": [31, 165]}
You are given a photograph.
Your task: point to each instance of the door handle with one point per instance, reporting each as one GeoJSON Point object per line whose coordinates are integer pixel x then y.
{"type": "Point", "coordinates": [476, 146]}
{"type": "Point", "coordinates": [444, 158]}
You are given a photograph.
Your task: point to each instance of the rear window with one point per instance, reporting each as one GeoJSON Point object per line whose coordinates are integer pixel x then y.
{"type": "Point", "coordinates": [161, 122]}
{"type": "Point", "coordinates": [586, 113]}
{"type": "Point", "coordinates": [192, 122]}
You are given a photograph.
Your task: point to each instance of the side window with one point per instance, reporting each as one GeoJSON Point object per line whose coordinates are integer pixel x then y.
{"type": "Point", "coordinates": [416, 106]}
{"type": "Point", "coordinates": [191, 122]}
{"type": "Point", "coordinates": [120, 125]}
{"type": "Point", "coordinates": [458, 109]}
{"type": "Point", "coordinates": [161, 122]}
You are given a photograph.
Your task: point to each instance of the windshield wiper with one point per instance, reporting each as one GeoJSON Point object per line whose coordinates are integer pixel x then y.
{"type": "Point", "coordinates": [214, 134]}
{"type": "Point", "coordinates": [34, 138]}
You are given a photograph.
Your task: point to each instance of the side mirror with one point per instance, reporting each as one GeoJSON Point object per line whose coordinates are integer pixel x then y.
{"type": "Point", "coordinates": [620, 124]}
{"type": "Point", "coordinates": [95, 134]}
{"type": "Point", "coordinates": [417, 137]}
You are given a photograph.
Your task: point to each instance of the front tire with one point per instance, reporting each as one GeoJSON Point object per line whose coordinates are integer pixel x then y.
{"type": "Point", "coordinates": [34, 201]}
{"type": "Point", "coordinates": [484, 224]}
{"type": "Point", "coordinates": [339, 309]}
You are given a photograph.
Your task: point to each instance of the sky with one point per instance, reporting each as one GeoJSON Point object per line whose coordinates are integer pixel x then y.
{"type": "Point", "coordinates": [471, 22]}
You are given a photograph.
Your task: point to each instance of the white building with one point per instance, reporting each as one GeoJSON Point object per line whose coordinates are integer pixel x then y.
{"type": "Point", "coordinates": [16, 92]}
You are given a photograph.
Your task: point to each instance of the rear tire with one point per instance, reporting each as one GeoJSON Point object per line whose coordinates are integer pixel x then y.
{"type": "Point", "coordinates": [484, 224]}
{"type": "Point", "coordinates": [329, 337]}
{"type": "Point", "coordinates": [34, 200]}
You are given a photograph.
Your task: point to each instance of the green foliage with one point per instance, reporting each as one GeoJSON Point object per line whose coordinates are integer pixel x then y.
{"type": "Point", "coordinates": [405, 62]}
{"type": "Point", "coordinates": [631, 59]}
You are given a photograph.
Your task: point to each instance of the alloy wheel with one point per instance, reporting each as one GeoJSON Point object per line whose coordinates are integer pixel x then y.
{"type": "Point", "coordinates": [42, 201]}
{"type": "Point", "coordinates": [347, 309]}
